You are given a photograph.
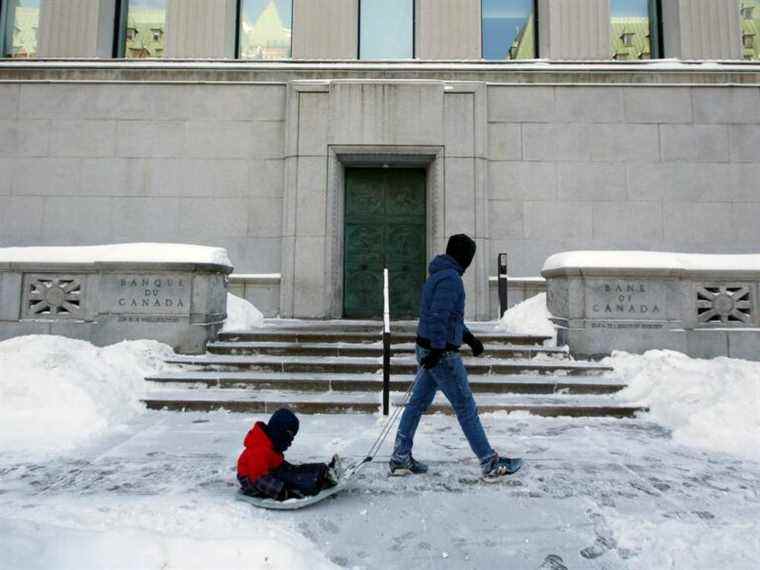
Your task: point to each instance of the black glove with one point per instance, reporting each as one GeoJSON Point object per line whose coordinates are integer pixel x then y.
{"type": "Point", "coordinates": [432, 359]}
{"type": "Point", "coordinates": [475, 344]}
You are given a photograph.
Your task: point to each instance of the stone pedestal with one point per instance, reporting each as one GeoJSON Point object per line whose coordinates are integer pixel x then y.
{"type": "Point", "coordinates": [325, 29]}
{"type": "Point", "coordinates": [201, 28]}
{"type": "Point", "coordinates": [701, 29]}
{"type": "Point", "coordinates": [704, 306]}
{"type": "Point", "coordinates": [76, 28]}
{"type": "Point", "coordinates": [438, 21]}
{"type": "Point", "coordinates": [182, 304]}
{"type": "Point", "coordinates": [569, 29]}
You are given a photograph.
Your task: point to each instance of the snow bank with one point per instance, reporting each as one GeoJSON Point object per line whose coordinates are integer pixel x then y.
{"type": "Point", "coordinates": [241, 315]}
{"type": "Point", "coordinates": [531, 317]}
{"type": "Point", "coordinates": [711, 404]}
{"type": "Point", "coordinates": [155, 533]}
{"type": "Point", "coordinates": [119, 253]}
{"type": "Point", "coordinates": [652, 260]}
{"type": "Point", "coordinates": [56, 392]}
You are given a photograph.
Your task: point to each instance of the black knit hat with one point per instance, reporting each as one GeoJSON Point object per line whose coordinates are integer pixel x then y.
{"type": "Point", "coordinates": [462, 248]}
{"type": "Point", "coordinates": [282, 428]}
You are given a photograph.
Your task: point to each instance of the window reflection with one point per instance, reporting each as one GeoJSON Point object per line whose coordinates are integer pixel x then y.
{"type": "Point", "coordinates": [749, 11]}
{"type": "Point", "coordinates": [145, 34]}
{"type": "Point", "coordinates": [509, 29]}
{"type": "Point", "coordinates": [266, 29]}
{"type": "Point", "coordinates": [631, 29]}
{"type": "Point", "coordinates": [22, 26]}
{"type": "Point", "coordinates": [386, 29]}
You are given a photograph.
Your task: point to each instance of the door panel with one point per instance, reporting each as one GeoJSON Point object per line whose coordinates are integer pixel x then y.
{"type": "Point", "coordinates": [385, 226]}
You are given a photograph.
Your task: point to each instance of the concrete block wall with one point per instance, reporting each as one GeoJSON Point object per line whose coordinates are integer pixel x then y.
{"type": "Point", "coordinates": [622, 167]}
{"type": "Point", "coordinates": [96, 163]}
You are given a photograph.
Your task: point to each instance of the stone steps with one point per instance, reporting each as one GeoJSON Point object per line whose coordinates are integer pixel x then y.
{"type": "Point", "coordinates": [373, 383]}
{"type": "Point", "coordinates": [399, 365]}
{"type": "Point", "coordinates": [353, 336]}
{"type": "Point", "coordinates": [336, 367]}
{"type": "Point", "coordinates": [267, 401]}
{"type": "Point", "coordinates": [370, 349]}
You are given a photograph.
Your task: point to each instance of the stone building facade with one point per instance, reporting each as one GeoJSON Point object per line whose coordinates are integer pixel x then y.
{"type": "Point", "coordinates": [287, 163]}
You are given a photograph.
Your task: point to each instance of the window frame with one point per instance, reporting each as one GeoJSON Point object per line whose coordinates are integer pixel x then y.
{"type": "Point", "coordinates": [359, 33]}
{"type": "Point", "coordinates": [4, 22]}
{"type": "Point", "coordinates": [121, 20]}
{"type": "Point", "coordinates": [239, 25]}
{"type": "Point", "coordinates": [656, 44]}
{"type": "Point", "coordinates": [536, 33]}
{"type": "Point", "coordinates": [3, 26]}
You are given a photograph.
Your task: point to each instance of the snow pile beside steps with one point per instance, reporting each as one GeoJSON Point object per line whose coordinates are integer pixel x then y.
{"type": "Point", "coordinates": [710, 404]}
{"type": "Point", "coordinates": [241, 315]}
{"type": "Point", "coordinates": [531, 317]}
{"type": "Point", "coordinates": [55, 392]}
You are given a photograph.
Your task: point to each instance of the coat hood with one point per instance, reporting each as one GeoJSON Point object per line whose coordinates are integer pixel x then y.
{"type": "Point", "coordinates": [462, 248]}
{"type": "Point", "coordinates": [444, 262]}
{"type": "Point", "coordinates": [257, 437]}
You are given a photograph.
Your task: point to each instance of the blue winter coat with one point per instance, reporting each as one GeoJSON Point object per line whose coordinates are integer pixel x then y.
{"type": "Point", "coordinates": [442, 305]}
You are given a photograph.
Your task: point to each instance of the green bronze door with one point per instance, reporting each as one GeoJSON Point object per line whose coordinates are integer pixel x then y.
{"type": "Point", "coordinates": [385, 226]}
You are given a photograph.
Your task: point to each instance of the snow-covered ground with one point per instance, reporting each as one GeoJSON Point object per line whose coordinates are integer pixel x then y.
{"type": "Point", "coordinates": [596, 493]}
{"type": "Point", "coordinates": [88, 479]}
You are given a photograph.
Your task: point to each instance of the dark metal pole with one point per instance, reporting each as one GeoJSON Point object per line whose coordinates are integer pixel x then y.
{"type": "Point", "coordinates": [503, 284]}
{"type": "Point", "coordinates": [386, 372]}
{"type": "Point", "coordinates": [386, 344]}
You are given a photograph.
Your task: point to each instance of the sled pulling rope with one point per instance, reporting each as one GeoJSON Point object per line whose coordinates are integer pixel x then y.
{"type": "Point", "coordinates": [385, 432]}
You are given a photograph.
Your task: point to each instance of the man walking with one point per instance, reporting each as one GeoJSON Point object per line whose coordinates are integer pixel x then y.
{"type": "Point", "coordinates": [440, 333]}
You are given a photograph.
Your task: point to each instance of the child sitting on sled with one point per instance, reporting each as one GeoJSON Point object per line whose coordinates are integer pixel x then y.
{"type": "Point", "coordinates": [263, 471]}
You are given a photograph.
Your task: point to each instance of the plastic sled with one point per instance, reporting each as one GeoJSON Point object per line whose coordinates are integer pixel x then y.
{"type": "Point", "coordinates": [293, 504]}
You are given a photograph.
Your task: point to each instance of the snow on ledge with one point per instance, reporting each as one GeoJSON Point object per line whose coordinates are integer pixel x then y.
{"type": "Point", "coordinates": [650, 260]}
{"type": "Point", "coordinates": [118, 253]}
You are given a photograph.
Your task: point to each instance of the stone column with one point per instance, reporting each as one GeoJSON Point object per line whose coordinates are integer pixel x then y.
{"type": "Point", "coordinates": [701, 29]}
{"type": "Point", "coordinates": [325, 29]}
{"type": "Point", "coordinates": [440, 21]}
{"type": "Point", "coordinates": [201, 28]}
{"type": "Point", "coordinates": [76, 28]}
{"type": "Point", "coordinates": [569, 29]}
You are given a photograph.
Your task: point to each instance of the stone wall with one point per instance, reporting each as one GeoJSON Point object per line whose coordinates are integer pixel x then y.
{"type": "Point", "coordinates": [85, 164]}
{"type": "Point", "coordinates": [208, 155]}
{"type": "Point", "coordinates": [608, 167]}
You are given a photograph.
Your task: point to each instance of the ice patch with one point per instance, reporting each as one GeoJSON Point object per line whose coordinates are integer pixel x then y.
{"type": "Point", "coordinates": [56, 392]}
{"type": "Point", "coordinates": [531, 317]}
{"type": "Point", "coordinates": [711, 404]}
{"type": "Point", "coordinates": [241, 315]}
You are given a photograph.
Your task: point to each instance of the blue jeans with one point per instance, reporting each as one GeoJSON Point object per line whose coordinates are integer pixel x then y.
{"type": "Point", "coordinates": [450, 376]}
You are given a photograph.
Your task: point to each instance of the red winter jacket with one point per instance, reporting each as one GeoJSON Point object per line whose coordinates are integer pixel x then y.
{"type": "Point", "coordinates": [258, 457]}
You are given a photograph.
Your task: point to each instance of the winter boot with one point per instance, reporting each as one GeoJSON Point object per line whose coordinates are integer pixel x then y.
{"type": "Point", "coordinates": [335, 469]}
{"type": "Point", "coordinates": [408, 466]}
{"type": "Point", "coordinates": [500, 466]}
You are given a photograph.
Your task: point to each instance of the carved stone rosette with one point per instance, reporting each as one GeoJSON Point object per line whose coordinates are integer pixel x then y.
{"type": "Point", "coordinates": [724, 304]}
{"type": "Point", "coordinates": [52, 297]}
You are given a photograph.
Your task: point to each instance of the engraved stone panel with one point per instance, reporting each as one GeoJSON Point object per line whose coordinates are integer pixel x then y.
{"type": "Point", "coordinates": [145, 294]}
{"type": "Point", "coordinates": [52, 297]}
{"type": "Point", "coordinates": [724, 304]}
{"type": "Point", "coordinates": [622, 299]}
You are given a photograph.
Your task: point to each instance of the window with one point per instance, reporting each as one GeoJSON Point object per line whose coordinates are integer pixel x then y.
{"type": "Point", "coordinates": [750, 22]}
{"type": "Point", "coordinates": [21, 20]}
{"type": "Point", "coordinates": [509, 29]}
{"type": "Point", "coordinates": [636, 32]}
{"type": "Point", "coordinates": [143, 28]}
{"type": "Point", "coordinates": [386, 29]}
{"type": "Point", "coordinates": [265, 29]}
